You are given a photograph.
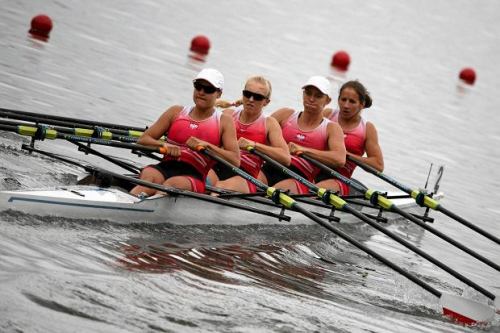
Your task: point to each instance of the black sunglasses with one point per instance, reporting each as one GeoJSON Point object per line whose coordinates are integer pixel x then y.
{"type": "Point", "coordinates": [256, 96]}
{"type": "Point", "coordinates": [206, 88]}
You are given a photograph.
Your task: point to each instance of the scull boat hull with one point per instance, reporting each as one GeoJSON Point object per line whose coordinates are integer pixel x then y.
{"type": "Point", "coordinates": [115, 205]}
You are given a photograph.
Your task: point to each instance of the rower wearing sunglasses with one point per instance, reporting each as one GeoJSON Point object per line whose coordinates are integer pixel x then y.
{"type": "Point", "coordinates": [252, 129]}
{"type": "Point", "coordinates": [310, 133]}
{"type": "Point", "coordinates": [185, 129]}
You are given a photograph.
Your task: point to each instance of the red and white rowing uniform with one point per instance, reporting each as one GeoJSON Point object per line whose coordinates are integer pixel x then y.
{"type": "Point", "coordinates": [181, 129]}
{"type": "Point", "coordinates": [255, 131]}
{"type": "Point", "coordinates": [315, 138]}
{"type": "Point", "coordinates": [354, 141]}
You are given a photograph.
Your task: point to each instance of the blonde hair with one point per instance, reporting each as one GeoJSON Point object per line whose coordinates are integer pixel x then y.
{"type": "Point", "coordinates": [262, 80]}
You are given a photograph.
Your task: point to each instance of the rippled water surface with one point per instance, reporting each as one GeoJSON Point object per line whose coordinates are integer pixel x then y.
{"type": "Point", "coordinates": [125, 62]}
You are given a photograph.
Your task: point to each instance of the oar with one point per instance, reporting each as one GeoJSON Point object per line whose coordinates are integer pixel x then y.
{"type": "Point", "coordinates": [460, 309]}
{"type": "Point", "coordinates": [41, 133]}
{"type": "Point", "coordinates": [95, 132]}
{"type": "Point", "coordinates": [30, 116]}
{"type": "Point", "coordinates": [387, 204]}
{"type": "Point", "coordinates": [423, 199]}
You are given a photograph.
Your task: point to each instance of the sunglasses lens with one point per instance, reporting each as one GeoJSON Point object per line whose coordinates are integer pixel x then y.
{"type": "Point", "coordinates": [256, 97]}
{"type": "Point", "coordinates": [207, 89]}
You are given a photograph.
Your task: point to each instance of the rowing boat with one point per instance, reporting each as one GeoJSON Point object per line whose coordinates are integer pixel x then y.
{"type": "Point", "coordinates": [110, 201]}
{"type": "Point", "coordinates": [115, 205]}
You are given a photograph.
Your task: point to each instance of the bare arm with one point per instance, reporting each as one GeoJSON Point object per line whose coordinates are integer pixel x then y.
{"type": "Point", "coordinates": [374, 156]}
{"type": "Point", "coordinates": [277, 148]}
{"type": "Point", "coordinates": [335, 156]}
{"type": "Point", "coordinates": [151, 136]}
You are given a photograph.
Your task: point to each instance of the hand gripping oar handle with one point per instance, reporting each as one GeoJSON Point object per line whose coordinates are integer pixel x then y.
{"type": "Point", "coordinates": [387, 204]}
{"type": "Point", "coordinates": [335, 200]}
{"type": "Point", "coordinates": [460, 309]}
{"type": "Point", "coordinates": [424, 200]}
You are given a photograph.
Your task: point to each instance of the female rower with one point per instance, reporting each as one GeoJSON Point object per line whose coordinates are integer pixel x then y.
{"type": "Point", "coordinates": [310, 133]}
{"type": "Point", "coordinates": [360, 136]}
{"type": "Point", "coordinates": [194, 126]}
{"type": "Point", "coordinates": [255, 130]}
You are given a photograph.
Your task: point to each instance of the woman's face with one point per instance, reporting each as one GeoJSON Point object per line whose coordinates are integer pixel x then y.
{"type": "Point", "coordinates": [313, 99]}
{"type": "Point", "coordinates": [349, 103]}
{"type": "Point", "coordinates": [205, 94]}
{"type": "Point", "coordinates": [255, 97]}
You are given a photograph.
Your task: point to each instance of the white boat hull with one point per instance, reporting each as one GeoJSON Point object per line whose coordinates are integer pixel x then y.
{"type": "Point", "coordinates": [114, 205]}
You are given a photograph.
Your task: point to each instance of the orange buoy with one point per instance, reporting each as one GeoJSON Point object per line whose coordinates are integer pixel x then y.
{"type": "Point", "coordinates": [341, 60]}
{"type": "Point", "coordinates": [41, 25]}
{"type": "Point", "coordinates": [200, 44]}
{"type": "Point", "coordinates": [468, 75]}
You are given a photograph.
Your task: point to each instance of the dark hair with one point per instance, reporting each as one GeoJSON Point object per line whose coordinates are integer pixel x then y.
{"type": "Point", "coordinates": [363, 94]}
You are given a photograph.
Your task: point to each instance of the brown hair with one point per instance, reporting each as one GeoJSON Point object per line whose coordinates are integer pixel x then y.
{"type": "Point", "coordinates": [359, 88]}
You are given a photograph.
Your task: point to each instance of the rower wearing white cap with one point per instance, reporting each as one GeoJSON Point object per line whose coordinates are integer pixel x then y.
{"type": "Point", "coordinates": [186, 128]}
{"type": "Point", "coordinates": [308, 132]}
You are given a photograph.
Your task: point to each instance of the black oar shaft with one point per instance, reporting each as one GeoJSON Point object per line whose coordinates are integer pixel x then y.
{"type": "Point", "coordinates": [423, 254]}
{"type": "Point", "coordinates": [468, 224]}
{"type": "Point", "coordinates": [362, 217]}
{"type": "Point", "coordinates": [16, 114]}
{"type": "Point", "coordinates": [445, 237]}
{"type": "Point", "coordinates": [53, 134]}
{"type": "Point", "coordinates": [428, 202]}
{"type": "Point", "coordinates": [290, 203]}
{"type": "Point", "coordinates": [387, 204]}
{"type": "Point", "coordinates": [366, 249]}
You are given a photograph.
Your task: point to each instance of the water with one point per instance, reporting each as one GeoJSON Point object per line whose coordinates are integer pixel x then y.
{"type": "Point", "coordinates": [126, 62]}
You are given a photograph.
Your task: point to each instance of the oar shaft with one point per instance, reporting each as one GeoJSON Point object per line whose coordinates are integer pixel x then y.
{"type": "Point", "coordinates": [366, 249]}
{"type": "Point", "coordinates": [468, 224]}
{"type": "Point", "coordinates": [8, 113]}
{"type": "Point", "coordinates": [445, 237]}
{"type": "Point", "coordinates": [423, 254]}
{"type": "Point", "coordinates": [428, 202]}
{"type": "Point", "coordinates": [53, 134]}
{"type": "Point", "coordinates": [292, 204]}
{"type": "Point", "coordinates": [387, 204]}
{"type": "Point", "coordinates": [110, 134]}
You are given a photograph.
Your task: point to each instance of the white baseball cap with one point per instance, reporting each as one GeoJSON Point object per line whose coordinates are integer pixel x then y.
{"type": "Point", "coordinates": [319, 82]}
{"type": "Point", "coordinates": [213, 76]}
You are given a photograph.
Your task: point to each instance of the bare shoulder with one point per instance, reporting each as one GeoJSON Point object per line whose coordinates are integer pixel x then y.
{"type": "Point", "coordinates": [172, 111]}
{"type": "Point", "coordinates": [334, 127]}
{"type": "Point", "coordinates": [282, 114]}
{"type": "Point", "coordinates": [327, 112]}
{"type": "Point", "coordinates": [229, 112]}
{"type": "Point", "coordinates": [272, 124]}
{"type": "Point", "coordinates": [370, 127]}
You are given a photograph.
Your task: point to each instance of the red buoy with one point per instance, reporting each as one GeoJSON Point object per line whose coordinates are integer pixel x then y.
{"type": "Point", "coordinates": [200, 44]}
{"type": "Point", "coordinates": [41, 25]}
{"type": "Point", "coordinates": [341, 60]}
{"type": "Point", "coordinates": [468, 75]}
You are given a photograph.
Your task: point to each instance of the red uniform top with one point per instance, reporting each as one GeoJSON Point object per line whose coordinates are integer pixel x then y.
{"type": "Point", "coordinates": [315, 138]}
{"type": "Point", "coordinates": [354, 141]}
{"type": "Point", "coordinates": [183, 127]}
{"type": "Point", "coordinates": [255, 131]}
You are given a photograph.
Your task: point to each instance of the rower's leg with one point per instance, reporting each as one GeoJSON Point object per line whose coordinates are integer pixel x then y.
{"type": "Point", "coordinates": [180, 182]}
{"type": "Point", "coordinates": [149, 174]}
{"type": "Point", "coordinates": [287, 185]}
{"type": "Point", "coordinates": [235, 183]}
{"type": "Point", "coordinates": [330, 184]}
